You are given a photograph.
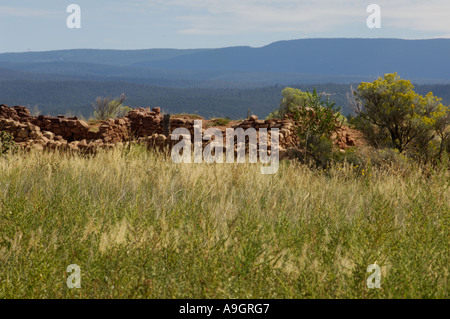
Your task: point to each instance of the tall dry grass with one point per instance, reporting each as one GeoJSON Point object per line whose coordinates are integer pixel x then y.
{"type": "Point", "coordinates": [140, 226]}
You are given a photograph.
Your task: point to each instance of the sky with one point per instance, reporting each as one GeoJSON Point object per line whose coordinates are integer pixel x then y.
{"type": "Point", "coordinates": [30, 25]}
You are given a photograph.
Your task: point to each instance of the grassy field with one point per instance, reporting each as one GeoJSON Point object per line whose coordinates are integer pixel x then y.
{"type": "Point", "coordinates": [140, 226]}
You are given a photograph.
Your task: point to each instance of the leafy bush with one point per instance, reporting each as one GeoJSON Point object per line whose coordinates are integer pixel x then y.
{"type": "Point", "coordinates": [105, 108]}
{"type": "Point", "coordinates": [317, 116]}
{"type": "Point", "coordinates": [317, 120]}
{"type": "Point", "coordinates": [374, 136]}
{"type": "Point", "coordinates": [352, 156]}
{"type": "Point", "coordinates": [220, 121]}
{"type": "Point", "coordinates": [389, 157]}
{"type": "Point", "coordinates": [317, 149]}
{"type": "Point", "coordinates": [291, 100]}
{"type": "Point", "coordinates": [7, 143]}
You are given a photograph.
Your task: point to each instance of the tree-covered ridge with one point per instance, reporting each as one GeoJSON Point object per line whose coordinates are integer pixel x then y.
{"type": "Point", "coordinates": [76, 97]}
{"type": "Point", "coordinates": [414, 59]}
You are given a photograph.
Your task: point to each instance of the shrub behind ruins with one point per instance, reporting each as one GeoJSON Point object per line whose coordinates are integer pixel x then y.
{"type": "Point", "coordinates": [106, 107]}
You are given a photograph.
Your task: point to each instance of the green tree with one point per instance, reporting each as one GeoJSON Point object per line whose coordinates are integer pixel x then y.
{"type": "Point", "coordinates": [105, 108]}
{"type": "Point", "coordinates": [291, 99]}
{"type": "Point", "coordinates": [317, 116]}
{"type": "Point", "coordinates": [430, 144]}
{"type": "Point", "coordinates": [316, 120]}
{"type": "Point", "coordinates": [391, 104]}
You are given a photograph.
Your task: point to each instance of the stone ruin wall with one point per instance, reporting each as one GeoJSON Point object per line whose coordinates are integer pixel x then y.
{"type": "Point", "coordinates": [142, 124]}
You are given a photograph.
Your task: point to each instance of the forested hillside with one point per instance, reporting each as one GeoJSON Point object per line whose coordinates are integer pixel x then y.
{"type": "Point", "coordinates": [75, 97]}
{"type": "Point", "coordinates": [223, 82]}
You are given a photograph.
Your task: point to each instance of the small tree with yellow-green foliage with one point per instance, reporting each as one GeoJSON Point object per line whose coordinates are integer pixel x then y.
{"type": "Point", "coordinates": [412, 121]}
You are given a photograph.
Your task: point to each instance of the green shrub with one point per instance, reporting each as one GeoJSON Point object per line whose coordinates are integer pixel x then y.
{"type": "Point", "coordinates": [389, 157]}
{"type": "Point", "coordinates": [351, 156]}
{"type": "Point", "coordinates": [317, 117]}
{"type": "Point", "coordinates": [7, 143]}
{"type": "Point", "coordinates": [219, 122]}
{"type": "Point", "coordinates": [374, 136]}
{"type": "Point", "coordinates": [316, 120]}
{"type": "Point", "coordinates": [106, 108]}
{"type": "Point", "coordinates": [291, 100]}
{"type": "Point", "coordinates": [317, 148]}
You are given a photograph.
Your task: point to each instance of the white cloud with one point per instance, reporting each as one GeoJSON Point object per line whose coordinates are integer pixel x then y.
{"type": "Point", "coordinates": [247, 16]}
{"type": "Point", "coordinates": [431, 15]}
{"type": "Point", "coordinates": [23, 12]}
{"type": "Point", "coordinates": [236, 16]}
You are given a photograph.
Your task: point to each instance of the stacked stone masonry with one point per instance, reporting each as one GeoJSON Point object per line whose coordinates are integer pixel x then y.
{"type": "Point", "coordinates": [142, 124]}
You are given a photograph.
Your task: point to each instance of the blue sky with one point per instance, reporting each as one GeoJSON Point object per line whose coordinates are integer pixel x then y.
{"type": "Point", "coordinates": [141, 24]}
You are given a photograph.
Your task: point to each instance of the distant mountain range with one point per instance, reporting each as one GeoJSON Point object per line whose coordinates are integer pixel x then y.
{"type": "Point", "coordinates": [284, 63]}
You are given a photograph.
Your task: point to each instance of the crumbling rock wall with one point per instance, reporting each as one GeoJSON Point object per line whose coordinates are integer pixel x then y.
{"type": "Point", "coordinates": [16, 113]}
{"type": "Point", "coordinates": [70, 129]}
{"type": "Point", "coordinates": [140, 124]}
{"type": "Point", "coordinates": [144, 122]}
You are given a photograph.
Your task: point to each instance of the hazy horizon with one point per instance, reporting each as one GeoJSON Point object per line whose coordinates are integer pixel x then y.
{"type": "Point", "coordinates": [154, 24]}
{"type": "Point", "coordinates": [231, 46]}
